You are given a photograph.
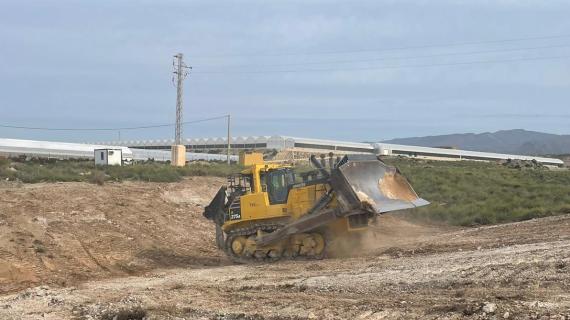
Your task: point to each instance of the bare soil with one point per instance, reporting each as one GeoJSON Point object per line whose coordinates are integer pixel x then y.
{"type": "Point", "coordinates": [143, 251]}
{"type": "Point", "coordinates": [65, 233]}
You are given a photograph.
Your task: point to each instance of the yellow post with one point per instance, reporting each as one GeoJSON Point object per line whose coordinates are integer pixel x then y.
{"type": "Point", "coordinates": [178, 158]}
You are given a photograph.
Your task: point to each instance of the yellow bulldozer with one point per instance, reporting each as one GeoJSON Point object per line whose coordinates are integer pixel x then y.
{"type": "Point", "coordinates": [269, 211]}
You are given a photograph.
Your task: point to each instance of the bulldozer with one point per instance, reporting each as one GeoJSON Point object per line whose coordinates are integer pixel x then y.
{"type": "Point", "coordinates": [271, 211]}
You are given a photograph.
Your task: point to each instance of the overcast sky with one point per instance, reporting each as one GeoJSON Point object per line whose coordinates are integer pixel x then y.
{"type": "Point", "coordinates": [319, 69]}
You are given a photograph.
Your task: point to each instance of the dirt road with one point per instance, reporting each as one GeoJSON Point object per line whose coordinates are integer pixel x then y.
{"type": "Point", "coordinates": [405, 271]}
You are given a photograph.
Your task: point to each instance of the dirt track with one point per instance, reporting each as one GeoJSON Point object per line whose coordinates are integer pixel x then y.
{"type": "Point", "coordinates": [158, 257]}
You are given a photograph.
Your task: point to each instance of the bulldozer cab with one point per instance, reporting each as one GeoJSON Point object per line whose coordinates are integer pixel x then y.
{"type": "Point", "coordinates": [259, 177]}
{"type": "Point", "coordinates": [259, 191]}
{"type": "Point", "coordinates": [277, 183]}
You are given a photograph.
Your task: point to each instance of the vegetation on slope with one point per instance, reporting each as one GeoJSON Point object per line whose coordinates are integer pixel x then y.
{"type": "Point", "coordinates": [461, 193]}
{"type": "Point", "coordinates": [471, 193]}
{"type": "Point", "coordinates": [54, 171]}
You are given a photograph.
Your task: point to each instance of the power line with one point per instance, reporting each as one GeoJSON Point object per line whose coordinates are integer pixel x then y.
{"type": "Point", "coordinates": [398, 58]}
{"type": "Point", "coordinates": [450, 44]}
{"type": "Point", "coordinates": [385, 67]}
{"type": "Point", "coordinates": [111, 129]}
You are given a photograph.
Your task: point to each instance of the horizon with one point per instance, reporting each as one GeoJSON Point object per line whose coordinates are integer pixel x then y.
{"type": "Point", "coordinates": [293, 136]}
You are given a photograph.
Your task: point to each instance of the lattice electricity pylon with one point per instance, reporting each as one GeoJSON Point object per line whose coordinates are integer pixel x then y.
{"type": "Point", "coordinates": [181, 70]}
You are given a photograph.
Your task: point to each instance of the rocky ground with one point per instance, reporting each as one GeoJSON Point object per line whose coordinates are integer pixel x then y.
{"type": "Point", "coordinates": [143, 251]}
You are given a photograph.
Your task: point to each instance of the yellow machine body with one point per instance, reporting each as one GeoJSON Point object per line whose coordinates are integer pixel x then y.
{"type": "Point", "coordinates": [256, 207]}
{"type": "Point", "coordinates": [269, 211]}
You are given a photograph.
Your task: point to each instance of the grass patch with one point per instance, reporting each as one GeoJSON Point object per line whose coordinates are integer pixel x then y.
{"type": "Point", "coordinates": [465, 193]}
{"type": "Point", "coordinates": [469, 193]}
{"type": "Point", "coordinates": [74, 170]}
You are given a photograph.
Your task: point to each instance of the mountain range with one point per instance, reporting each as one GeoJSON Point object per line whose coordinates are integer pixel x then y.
{"type": "Point", "coordinates": [516, 141]}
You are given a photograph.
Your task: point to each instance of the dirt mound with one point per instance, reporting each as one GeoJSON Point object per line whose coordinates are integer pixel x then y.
{"type": "Point", "coordinates": [68, 232]}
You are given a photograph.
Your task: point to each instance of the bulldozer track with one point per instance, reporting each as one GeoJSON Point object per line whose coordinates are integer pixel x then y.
{"type": "Point", "coordinates": [91, 256]}
{"type": "Point", "coordinates": [251, 230]}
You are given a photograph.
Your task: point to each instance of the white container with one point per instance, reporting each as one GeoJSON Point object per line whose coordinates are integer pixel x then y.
{"type": "Point", "coordinates": [108, 157]}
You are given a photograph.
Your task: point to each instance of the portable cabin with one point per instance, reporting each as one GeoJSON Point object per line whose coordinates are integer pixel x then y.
{"type": "Point", "coordinates": [108, 157]}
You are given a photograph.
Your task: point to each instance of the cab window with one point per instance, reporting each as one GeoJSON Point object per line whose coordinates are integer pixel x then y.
{"type": "Point", "coordinates": [277, 186]}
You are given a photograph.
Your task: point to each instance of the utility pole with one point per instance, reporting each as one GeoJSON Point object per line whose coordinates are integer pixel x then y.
{"type": "Point", "coordinates": [229, 138]}
{"type": "Point", "coordinates": [179, 150]}
{"type": "Point", "coordinates": [179, 97]}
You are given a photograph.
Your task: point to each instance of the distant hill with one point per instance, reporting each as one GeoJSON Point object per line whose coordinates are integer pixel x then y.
{"type": "Point", "coordinates": [517, 141]}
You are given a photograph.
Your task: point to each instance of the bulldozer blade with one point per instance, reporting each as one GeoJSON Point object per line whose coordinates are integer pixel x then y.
{"type": "Point", "coordinates": [365, 182]}
{"type": "Point", "coordinates": [215, 210]}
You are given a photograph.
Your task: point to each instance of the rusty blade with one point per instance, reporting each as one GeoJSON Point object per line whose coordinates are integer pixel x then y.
{"type": "Point", "coordinates": [375, 186]}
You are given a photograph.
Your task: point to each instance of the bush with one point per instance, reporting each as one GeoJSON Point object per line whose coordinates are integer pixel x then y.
{"type": "Point", "coordinates": [463, 193]}
{"type": "Point", "coordinates": [472, 193]}
{"type": "Point", "coordinates": [4, 163]}
{"type": "Point", "coordinates": [97, 177]}
{"type": "Point", "coordinates": [215, 169]}
{"type": "Point", "coordinates": [151, 172]}
{"type": "Point", "coordinates": [69, 170]}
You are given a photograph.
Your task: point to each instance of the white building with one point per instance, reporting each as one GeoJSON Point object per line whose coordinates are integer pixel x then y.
{"type": "Point", "coordinates": [54, 150]}
{"type": "Point", "coordinates": [108, 157]}
{"type": "Point", "coordinates": [281, 143]}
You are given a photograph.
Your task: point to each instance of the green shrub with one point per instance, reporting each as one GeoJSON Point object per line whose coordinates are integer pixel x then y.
{"type": "Point", "coordinates": [472, 193]}
{"type": "Point", "coordinates": [97, 177]}
{"type": "Point", "coordinates": [4, 163]}
{"type": "Point", "coordinates": [215, 169]}
{"type": "Point", "coordinates": [151, 172]}
{"type": "Point", "coordinates": [463, 193]}
{"type": "Point", "coordinates": [70, 170]}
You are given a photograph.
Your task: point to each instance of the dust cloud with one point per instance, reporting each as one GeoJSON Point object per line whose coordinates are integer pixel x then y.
{"type": "Point", "coordinates": [386, 232]}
